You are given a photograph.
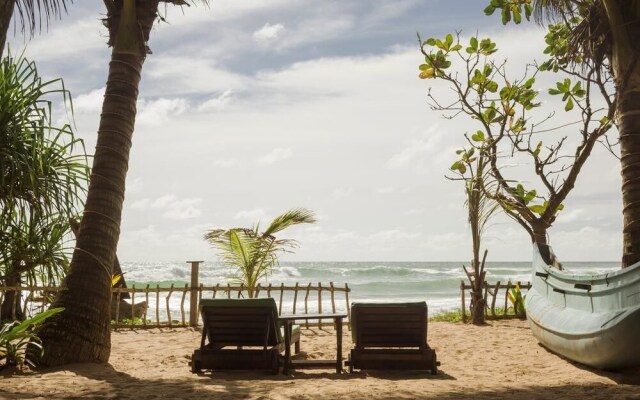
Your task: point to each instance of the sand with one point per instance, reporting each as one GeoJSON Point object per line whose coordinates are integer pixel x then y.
{"type": "Point", "coordinates": [497, 361]}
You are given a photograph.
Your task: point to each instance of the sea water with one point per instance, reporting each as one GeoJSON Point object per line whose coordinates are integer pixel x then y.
{"type": "Point", "coordinates": [437, 283]}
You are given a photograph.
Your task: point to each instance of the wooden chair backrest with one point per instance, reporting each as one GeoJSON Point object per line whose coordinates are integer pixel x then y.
{"type": "Point", "coordinates": [240, 322]}
{"type": "Point", "coordinates": [389, 325]}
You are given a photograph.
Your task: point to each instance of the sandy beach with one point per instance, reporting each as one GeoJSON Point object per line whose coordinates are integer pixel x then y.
{"type": "Point", "coordinates": [499, 360]}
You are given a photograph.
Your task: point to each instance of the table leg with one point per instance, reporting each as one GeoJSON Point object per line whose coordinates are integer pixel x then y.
{"type": "Point", "coordinates": [287, 346]}
{"type": "Point", "coordinates": [338, 322]}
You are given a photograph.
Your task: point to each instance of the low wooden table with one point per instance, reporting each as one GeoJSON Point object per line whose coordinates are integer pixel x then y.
{"type": "Point", "coordinates": [288, 320]}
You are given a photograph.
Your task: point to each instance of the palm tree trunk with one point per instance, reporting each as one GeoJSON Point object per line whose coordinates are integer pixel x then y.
{"type": "Point", "coordinates": [86, 294]}
{"type": "Point", "coordinates": [11, 308]}
{"type": "Point", "coordinates": [629, 127]}
{"type": "Point", "coordinates": [82, 333]}
{"type": "Point", "coordinates": [625, 62]}
{"type": "Point", "coordinates": [6, 11]}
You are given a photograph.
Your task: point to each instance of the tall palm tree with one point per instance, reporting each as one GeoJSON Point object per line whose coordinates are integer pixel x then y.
{"type": "Point", "coordinates": [254, 254]}
{"type": "Point", "coordinates": [82, 332]}
{"type": "Point", "coordinates": [608, 33]}
{"type": "Point", "coordinates": [31, 13]}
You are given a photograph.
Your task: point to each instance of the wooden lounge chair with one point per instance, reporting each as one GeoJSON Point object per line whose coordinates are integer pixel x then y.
{"type": "Point", "coordinates": [390, 336]}
{"type": "Point", "coordinates": [241, 334]}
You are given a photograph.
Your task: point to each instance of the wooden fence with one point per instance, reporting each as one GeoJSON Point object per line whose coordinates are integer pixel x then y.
{"type": "Point", "coordinates": [491, 295]}
{"type": "Point", "coordinates": [151, 307]}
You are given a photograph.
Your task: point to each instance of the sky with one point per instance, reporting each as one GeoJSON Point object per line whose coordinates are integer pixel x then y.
{"type": "Point", "coordinates": [250, 108]}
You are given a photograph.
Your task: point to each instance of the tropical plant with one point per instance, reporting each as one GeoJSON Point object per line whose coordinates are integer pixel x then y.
{"type": "Point", "coordinates": [19, 341]}
{"type": "Point", "coordinates": [43, 177]}
{"type": "Point", "coordinates": [473, 170]}
{"type": "Point", "coordinates": [255, 254]}
{"type": "Point", "coordinates": [82, 332]}
{"type": "Point", "coordinates": [606, 34]}
{"type": "Point", "coordinates": [517, 299]}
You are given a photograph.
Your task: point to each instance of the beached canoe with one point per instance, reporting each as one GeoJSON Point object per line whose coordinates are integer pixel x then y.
{"type": "Point", "coordinates": [591, 319]}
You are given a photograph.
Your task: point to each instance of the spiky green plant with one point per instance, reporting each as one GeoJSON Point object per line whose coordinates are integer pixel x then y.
{"type": "Point", "coordinates": [19, 341]}
{"type": "Point", "coordinates": [43, 177]}
{"type": "Point", "coordinates": [255, 254]}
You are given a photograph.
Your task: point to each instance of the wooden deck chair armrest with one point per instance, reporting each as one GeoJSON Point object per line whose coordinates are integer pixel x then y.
{"type": "Point", "coordinates": [204, 336]}
{"type": "Point", "coordinates": [267, 330]}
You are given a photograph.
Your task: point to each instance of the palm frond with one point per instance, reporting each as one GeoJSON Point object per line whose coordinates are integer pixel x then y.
{"type": "Point", "coordinates": [255, 254]}
{"type": "Point", "coordinates": [553, 10]}
{"type": "Point", "coordinates": [292, 217]}
{"type": "Point", "coordinates": [32, 13]}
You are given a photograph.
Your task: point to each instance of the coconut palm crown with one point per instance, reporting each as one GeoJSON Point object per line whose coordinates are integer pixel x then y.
{"type": "Point", "coordinates": [255, 254]}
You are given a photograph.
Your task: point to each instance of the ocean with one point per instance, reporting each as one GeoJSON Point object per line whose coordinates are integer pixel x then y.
{"type": "Point", "coordinates": [437, 283]}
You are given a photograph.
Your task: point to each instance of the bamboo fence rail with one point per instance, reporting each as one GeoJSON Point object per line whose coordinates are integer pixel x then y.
{"type": "Point", "coordinates": [173, 306]}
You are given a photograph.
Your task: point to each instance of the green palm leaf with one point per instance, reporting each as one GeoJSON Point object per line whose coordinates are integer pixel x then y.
{"type": "Point", "coordinates": [255, 254]}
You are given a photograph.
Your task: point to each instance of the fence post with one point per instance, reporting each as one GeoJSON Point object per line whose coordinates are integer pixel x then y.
{"type": "Point", "coordinates": [193, 298]}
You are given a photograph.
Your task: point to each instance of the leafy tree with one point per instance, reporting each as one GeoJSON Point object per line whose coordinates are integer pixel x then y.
{"type": "Point", "coordinates": [501, 109]}
{"type": "Point", "coordinates": [82, 332]}
{"type": "Point", "coordinates": [255, 254]}
{"type": "Point", "coordinates": [43, 177]}
{"type": "Point", "coordinates": [607, 36]}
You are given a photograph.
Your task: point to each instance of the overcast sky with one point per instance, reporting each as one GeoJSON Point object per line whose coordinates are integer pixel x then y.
{"type": "Point", "coordinates": [250, 108]}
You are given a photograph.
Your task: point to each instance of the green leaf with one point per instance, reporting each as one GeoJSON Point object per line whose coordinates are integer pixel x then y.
{"type": "Point", "coordinates": [569, 105]}
{"type": "Point", "coordinates": [538, 208]}
{"type": "Point", "coordinates": [431, 41]}
{"type": "Point", "coordinates": [506, 16]}
{"type": "Point", "coordinates": [449, 40]}
{"type": "Point", "coordinates": [529, 83]}
{"type": "Point", "coordinates": [530, 196]}
{"type": "Point", "coordinates": [536, 151]}
{"type": "Point", "coordinates": [517, 18]}
{"type": "Point", "coordinates": [520, 191]}
{"type": "Point", "coordinates": [478, 136]}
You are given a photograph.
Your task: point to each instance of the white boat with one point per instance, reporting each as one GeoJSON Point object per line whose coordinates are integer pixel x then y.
{"type": "Point", "coordinates": [591, 319]}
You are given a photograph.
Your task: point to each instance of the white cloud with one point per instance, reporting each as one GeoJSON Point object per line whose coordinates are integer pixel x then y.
{"type": "Point", "coordinates": [89, 102]}
{"type": "Point", "coordinates": [158, 112]}
{"type": "Point", "coordinates": [251, 216]}
{"type": "Point", "coordinates": [163, 201]}
{"type": "Point", "coordinates": [418, 150]}
{"type": "Point", "coordinates": [276, 155]}
{"type": "Point", "coordinates": [170, 206]}
{"type": "Point", "coordinates": [183, 209]}
{"type": "Point", "coordinates": [342, 193]}
{"type": "Point", "coordinates": [217, 103]}
{"type": "Point", "coordinates": [225, 163]}
{"type": "Point", "coordinates": [268, 33]}
{"type": "Point", "coordinates": [141, 204]}
{"type": "Point", "coordinates": [571, 215]}
{"type": "Point", "coordinates": [385, 190]}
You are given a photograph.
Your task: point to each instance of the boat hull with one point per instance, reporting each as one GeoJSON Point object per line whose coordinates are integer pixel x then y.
{"type": "Point", "coordinates": [591, 319]}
